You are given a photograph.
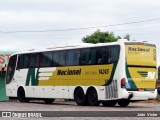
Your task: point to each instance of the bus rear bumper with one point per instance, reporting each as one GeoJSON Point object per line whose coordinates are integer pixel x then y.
{"type": "Point", "coordinates": [140, 95]}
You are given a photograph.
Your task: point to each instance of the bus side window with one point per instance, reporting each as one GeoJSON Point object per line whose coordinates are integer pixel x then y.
{"type": "Point", "coordinates": [55, 59]}
{"type": "Point", "coordinates": [76, 58]}
{"type": "Point", "coordinates": [113, 54]}
{"type": "Point", "coordinates": [23, 61]}
{"type": "Point", "coordinates": [62, 58]}
{"type": "Point", "coordinates": [88, 56]}
{"type": "Point", "coordinates": [84, 60]}
{"type": "Point", "coordinates": [26, 61]}
{"type": "Point", "coordinates": [83, 57]}
{"type": "Point", "coordinates": [101, 55]}
{"type": "Point", "coordinates": [92, 56]}
{"type": "Point", "coordinates": [20, 62]}
{"type": "Point", "coordinates": [46, 59]}
{"type": "Point", "coordinates": [59, 58]}
{"type": "Point", "coordinates": [34, 60]}
{"type": "Point", "coordinates": [72, 57]}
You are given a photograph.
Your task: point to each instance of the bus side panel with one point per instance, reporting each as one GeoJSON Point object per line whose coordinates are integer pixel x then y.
{"type": "Point", "coordinates": [44, 91]}
{"type": "Point", "coordinates": [18, 80]}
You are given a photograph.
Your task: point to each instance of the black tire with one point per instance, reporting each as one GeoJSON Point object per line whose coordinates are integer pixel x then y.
{"type": "Point", "coordinates": [80, 97]}
{"type": "Point", "coordinates": [49, 101]}
{"type": "Point", "coordinates": [109, 103]}
{"type": "Point", "coordinates": [92, 97]}
{"type": "Point", "coordinates": [21, 95]}
{"type": "Point", "coordinates": [123, 102]}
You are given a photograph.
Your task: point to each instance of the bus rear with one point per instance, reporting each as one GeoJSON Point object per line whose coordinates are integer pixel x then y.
{"type": "Point", "coordinates": [140, 81]}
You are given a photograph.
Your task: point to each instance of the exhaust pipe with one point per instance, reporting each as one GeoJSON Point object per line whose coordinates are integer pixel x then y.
{"type": "Point", "coordinates": [130, 96]}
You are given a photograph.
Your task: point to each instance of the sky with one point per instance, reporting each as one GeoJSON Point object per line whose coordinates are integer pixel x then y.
{"type": "Point", "coordinates": [36, 24]}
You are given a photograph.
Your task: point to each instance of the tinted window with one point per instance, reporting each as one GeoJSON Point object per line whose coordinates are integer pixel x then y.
{"type": "Point", "coordinates": [88, 56]}
{"type": "Point", "coordinates": [72, 57]}
{"type": "Point", "coordinates": [23, 61]}
{"type": "Point", "coordinates": [113, 53]}
{"type": "Point", "coordinates": [34, 60]}
{"type": "Point", "coordinates": [20, 62]}
{"type": "Point", "coordinates": [26, 61]}
{"type": "Point", "coordinates": [101, 55]}
{"type": "Point", "coordinates": [59, 58]}
{"type": "Point", "coordinates": [46, 59]}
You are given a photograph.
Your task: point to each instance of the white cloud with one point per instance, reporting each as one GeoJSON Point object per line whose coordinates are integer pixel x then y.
{"type": "Point", "coordinates": [21, 15]}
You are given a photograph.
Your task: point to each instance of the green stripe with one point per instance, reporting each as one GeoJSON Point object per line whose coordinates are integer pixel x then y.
{"type": "Point", "coordinates": [130, 80]}
{"type": "Point", "coordinates": [112, 74]}
{"type": "Point", "coordinates": [31, 77]}
{"type": "Point", "coordinates": [143, 73]}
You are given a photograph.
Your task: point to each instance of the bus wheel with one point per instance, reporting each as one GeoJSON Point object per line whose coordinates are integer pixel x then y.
{"type": "Point", "coordinates": [49, 101]}
{"type": "Point", "coordinates": [123, 102]}
{"type": "Point", "coordinates": [80, 97]}
{"type": "Point", "coordinates": [92, 97]}
{"type": "Point", "coordinates": [109, 103]}
{"type": "Point", "coordinates": [21, 95]}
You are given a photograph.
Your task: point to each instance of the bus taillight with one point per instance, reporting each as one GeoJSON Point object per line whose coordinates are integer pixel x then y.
{"type": "Point", "coordinates": [123, 82]}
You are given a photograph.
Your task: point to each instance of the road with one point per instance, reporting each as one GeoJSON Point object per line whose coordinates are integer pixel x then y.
{"type": "Point", "coordinates": [62, 109]}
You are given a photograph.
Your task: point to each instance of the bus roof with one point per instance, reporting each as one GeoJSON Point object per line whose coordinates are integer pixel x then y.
{"type": "Point", "coordinates": [80, 45]}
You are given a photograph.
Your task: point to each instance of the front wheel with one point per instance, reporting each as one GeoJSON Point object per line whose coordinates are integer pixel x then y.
{"type": "Point", "coordinates": [123, 102]}
{"type": "Point", "coordinates": [21, 95]}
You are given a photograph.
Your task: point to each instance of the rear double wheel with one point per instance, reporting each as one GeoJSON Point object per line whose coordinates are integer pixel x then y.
{"type": "Point", "coordinates": [80, 97]}
{"type": "Point", "coordinates": [92, 97]}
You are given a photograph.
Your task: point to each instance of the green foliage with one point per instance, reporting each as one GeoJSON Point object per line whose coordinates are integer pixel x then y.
{"type": "Point", "coordinates": [127, 37]}
{"type": "Point", "coordinates": [102, 37]}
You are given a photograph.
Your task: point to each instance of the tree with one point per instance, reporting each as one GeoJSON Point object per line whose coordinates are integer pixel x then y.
{"type": "Point", "coordinates": [127, 37]}
{"type": "Point", "coordinates": [102, 37]}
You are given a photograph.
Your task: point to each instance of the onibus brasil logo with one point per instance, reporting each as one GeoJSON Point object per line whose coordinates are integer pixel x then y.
{"type": "Point", "coordinates": [146, 74]}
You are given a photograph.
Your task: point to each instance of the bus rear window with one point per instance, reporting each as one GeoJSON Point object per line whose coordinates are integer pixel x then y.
{"type": "Point", "coordinates": [141, 55]}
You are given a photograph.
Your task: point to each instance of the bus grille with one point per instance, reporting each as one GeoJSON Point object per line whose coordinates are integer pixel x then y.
{"type": "Point", "coordinates": [111, 90]}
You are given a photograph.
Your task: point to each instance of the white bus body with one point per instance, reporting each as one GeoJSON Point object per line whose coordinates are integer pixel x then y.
{"type": "Point", "coordinates": [108, 73]}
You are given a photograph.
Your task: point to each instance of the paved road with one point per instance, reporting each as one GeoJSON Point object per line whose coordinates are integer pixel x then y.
{"type": "Point", "coordinates": [62, 106]}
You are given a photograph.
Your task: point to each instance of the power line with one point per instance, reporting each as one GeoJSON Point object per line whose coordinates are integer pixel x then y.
{"type": "Point", "coordinates": [74, 29]}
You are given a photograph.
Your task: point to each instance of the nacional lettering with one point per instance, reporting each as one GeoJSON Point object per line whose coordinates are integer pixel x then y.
{"type": "Point", "coordinates": [138, 49]}
{"type": "Point", "coordinates": [69, 72]}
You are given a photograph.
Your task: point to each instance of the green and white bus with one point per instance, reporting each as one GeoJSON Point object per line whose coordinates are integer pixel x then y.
{"type": "Point", "coordinates": [107, 73]}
